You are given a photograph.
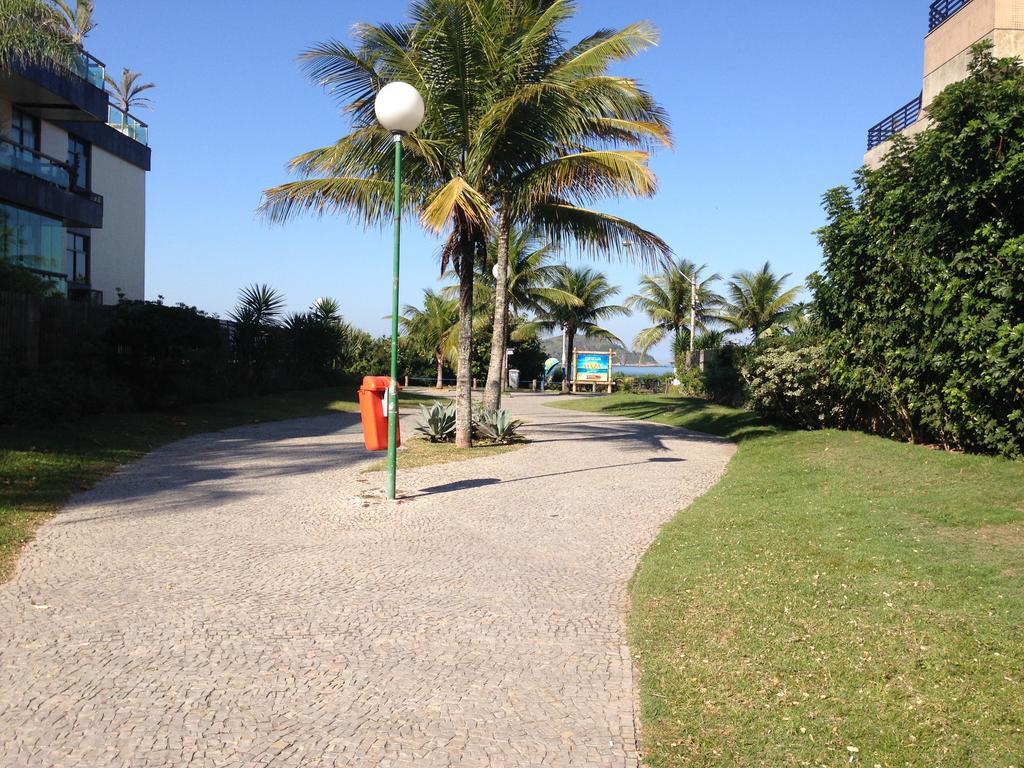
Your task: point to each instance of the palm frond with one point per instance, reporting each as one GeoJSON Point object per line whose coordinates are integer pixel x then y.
{"type": "Point", "coordinates": [595, 233]}
{"type": "Point", "coordinates": [456, 201]}
{"type": "Point", "coordinates": [367, 201]}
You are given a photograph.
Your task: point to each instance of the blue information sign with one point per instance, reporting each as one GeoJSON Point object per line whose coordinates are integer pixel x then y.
{"type": "Point", "coordinates": [594, 367]}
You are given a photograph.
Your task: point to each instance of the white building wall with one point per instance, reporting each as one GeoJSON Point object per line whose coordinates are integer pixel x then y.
{"type": "Point", "coordinates": [119, 248]}
{"type": "Point", "coordinates": [53, 141]}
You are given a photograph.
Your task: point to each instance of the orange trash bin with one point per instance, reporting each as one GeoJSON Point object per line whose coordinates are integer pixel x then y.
{"type": "Point", "coordinates": [373, 409]}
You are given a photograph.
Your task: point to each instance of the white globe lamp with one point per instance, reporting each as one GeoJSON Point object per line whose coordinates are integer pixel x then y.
{"type": "Point", "coordinates": [399, 108]}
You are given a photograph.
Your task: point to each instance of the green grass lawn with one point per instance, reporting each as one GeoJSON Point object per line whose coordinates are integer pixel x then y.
{"type": "Point", "coordinates": [41, 467]}
{"type": "Point", "coordinates": [836, 599]}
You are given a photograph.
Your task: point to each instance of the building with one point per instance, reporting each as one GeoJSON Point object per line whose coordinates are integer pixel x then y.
{"type": "Point", "coordinates": [953, 27]}
{"type": "Point", "coordinates": [73, 182]}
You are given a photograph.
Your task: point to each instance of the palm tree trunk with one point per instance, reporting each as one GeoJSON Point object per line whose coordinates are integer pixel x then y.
{"type": "Point", "coordinates": [440, 369]}
{"type": "Point", "coordinates": [499, 333]}
{"type": "Point", "coordinates": [464, 385]}
{"type": "Point", "coordinates": [567, 344]}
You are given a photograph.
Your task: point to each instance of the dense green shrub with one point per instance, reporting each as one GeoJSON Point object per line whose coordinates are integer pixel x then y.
{"type": "Point", "coordinates": [17, 279]}
{"type": "Point", "coordinates": [922, 291]}
{"type": "Point", "coordinates": [58, 392]}
{"type": "Point", "coordinates": [167, 356]}
{"type": "Point", "coordinates": [644, 384]}
{"type": "Point", "coordinates": [315, 349]}
{"type": "Point", "coordinates": [691, 383]}
{"type": "Point", "coordinates": [723, 380]}
{"type": "Point", "coordinates": [789, 379]}
{"type": "Point", "coordinates": [144, 355]}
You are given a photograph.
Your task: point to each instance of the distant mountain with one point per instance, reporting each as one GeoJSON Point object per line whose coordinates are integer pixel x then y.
{"type": "Point", "coordinates": [623, 356]}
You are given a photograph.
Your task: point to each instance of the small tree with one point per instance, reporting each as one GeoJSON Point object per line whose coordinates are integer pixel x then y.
{"type": "Point", "coordinates": [128, 90]}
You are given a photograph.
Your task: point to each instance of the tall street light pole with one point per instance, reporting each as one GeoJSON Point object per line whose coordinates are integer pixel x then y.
{"type": "Point", "coordinates": [399, 109]}
{"type": "Point", "coordinates": [693, 314]}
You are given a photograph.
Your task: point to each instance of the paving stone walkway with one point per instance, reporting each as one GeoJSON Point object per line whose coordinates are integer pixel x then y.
{"type": "Point", "coordinates": [245, 599]}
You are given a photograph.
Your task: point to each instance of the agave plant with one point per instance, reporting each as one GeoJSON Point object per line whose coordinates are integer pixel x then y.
{"type": "Point", "coordinates": [438, 424]}
{"type": "Point", "coordinates": [498, 425]}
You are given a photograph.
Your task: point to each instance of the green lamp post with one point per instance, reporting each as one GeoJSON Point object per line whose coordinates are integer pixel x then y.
{"type": "Point", "coordinates": [399, 109]}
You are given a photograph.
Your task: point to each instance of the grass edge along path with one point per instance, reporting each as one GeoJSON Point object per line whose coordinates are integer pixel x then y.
{"type": "Point", "coordinates": [837, 599]}
{"type": "Point", "coordinates": [42, 466]}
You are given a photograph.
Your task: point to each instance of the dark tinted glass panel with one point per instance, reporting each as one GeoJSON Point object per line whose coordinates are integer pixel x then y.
{"type": "Point", "coordinates": [25, 129]}
{"type": "Point", "coordinates": [78, 158]}
{"type": "Point", "coordinates": [78, 258]}
{"type": "Point", "coordinates": [34, 241]}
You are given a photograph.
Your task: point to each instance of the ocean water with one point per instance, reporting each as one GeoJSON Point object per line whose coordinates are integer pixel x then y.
{"type": "Point", "coordinates": [644, 370]}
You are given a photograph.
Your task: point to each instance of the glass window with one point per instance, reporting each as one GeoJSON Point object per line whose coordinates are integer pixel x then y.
{"type": "Point", "coordinates": [79, 156]}
{"type": "Point", "coordinates": [25, 129]}
{"type": "Point", "coordinates": [77, 253]}
{"type": "Point", "coordinates": [31, 240]}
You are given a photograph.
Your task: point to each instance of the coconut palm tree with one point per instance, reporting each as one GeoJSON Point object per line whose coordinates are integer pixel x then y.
{"type": "Point", "coordinates": [531, 270]}
{"type": "Point", "coordinates": [32, 33]}
{"type": "Point", "coordinates": [77, 19]}
{"type": "Point", "coordinates": [666, 299]}
{"type": "Point", "coordinates": [579, 306]}
{"type": "Point", "coordinates": [518, 128]}
{"type": "Point", "coordinates": [758, 301]}
{"type": "Point", "coordinates": [128, 91]}
{"type": "Point", "coordinates": [434, 330]}
{"type": "Point", "coordinates": [530, 274]}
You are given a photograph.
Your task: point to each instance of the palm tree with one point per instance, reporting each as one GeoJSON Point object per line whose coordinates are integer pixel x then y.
{"type": "Point", "coordinates": [531, 270]}
{"type": "Point", "coordinates": [327, 310]}
{"type": "Point", "coordinates": [128, 91]}
{"type": "Point", "coordinates": [516, 129]}
{"type": "Point", "coordinates": [77, 19]}
{"type": "Point", "coordinates": [579, 305]}
{"type": "Point", "coordinates": [32, 33]}
{"type": "Point", "coordinates": [434, 330]}
{"type": "Point", "coordinates": [711, 339]}
{"type": "Point", "coordinates": [666, 299]}
{"type": "Point", "coordinates": [258, 306]}
{"type": "Point", "coordinates": [530, 274]}
{"type": "Point", "coordinates": [258, 311]}
{"type": "Point", "coordinates": [758, 301]}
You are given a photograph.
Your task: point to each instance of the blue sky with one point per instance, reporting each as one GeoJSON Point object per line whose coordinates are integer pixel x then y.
{"type": "Point", "coordinates": [770, 104]}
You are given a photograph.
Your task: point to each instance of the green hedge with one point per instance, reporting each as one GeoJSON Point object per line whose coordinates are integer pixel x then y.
{"type": "Point", "coordinates": [922, 291]}
{"type": "Point", "coordinates": [147, 356]}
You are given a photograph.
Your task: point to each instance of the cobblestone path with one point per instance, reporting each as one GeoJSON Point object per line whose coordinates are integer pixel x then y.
{"type": "Point", "coordinates": [245, 599]}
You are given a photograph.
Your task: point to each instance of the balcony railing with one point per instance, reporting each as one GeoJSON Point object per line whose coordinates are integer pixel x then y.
{"type": "Point", "coordinates": [19, 158]}
{"type": "Point", "coordinates": [128, 124]}
{"type": "Point", "coordinates": [25, 160]}
{"type": "Point", "coordinates": [941, 10]}
{"type": "Point", "coordinates": [90, 68]}
{"type": "Point", "coordinates": [900, 120]}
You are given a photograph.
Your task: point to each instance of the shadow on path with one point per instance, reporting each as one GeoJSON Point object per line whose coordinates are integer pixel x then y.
{"type": "Point", "coordinates": [463, 485]}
